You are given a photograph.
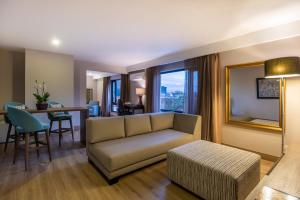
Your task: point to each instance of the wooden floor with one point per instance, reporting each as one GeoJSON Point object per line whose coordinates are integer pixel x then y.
{"type": "Point", "coordinates": [70, 176]}
{"type": "Point", "coordinates": [286, 176]}
{"type": "Point", "coordinates": [270, 193]}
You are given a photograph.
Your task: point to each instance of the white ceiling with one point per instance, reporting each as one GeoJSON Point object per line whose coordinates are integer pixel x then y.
{"type": "Point", "coordinates": [96, 75]}
{"type": "Point", "coordinates": [126, 32]}
{"type": "Point", "coordinates": [139, 77]}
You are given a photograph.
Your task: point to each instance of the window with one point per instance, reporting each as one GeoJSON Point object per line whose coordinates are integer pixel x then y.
{"type": "Point", "coordinates": [172, 90]}
{"type": "Point", "coordinates": [115, 94]}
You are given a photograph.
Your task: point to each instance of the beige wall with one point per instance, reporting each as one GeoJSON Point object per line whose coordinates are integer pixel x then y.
{"type": "Point", "coordinates": [12, 78]}
{"type": "Point", "coordinates": [133, 86]}
{"type": "Point", "coordinates": [99, 90]}
{"type": "Point", "coordinates": [136, 82]}
{"type": "Point", "coordinates": [80, 68]}
{"type": "Point", "coordinates": [257, 140]}
{"type": "Point", "coordinates": [19, 77]}
{"type": "Point", "coordinates": [92, 84]}
{"type": "Point", "coordinates": [6, 77]}
{"type": "Point", "coordinates": [97, 86]}
{"type": "Point", "coordinates": [12, 81]}
{"type": "Point", "coordinates": [6, 86]}
{"type": "Point", "coordinates": [57, 70]}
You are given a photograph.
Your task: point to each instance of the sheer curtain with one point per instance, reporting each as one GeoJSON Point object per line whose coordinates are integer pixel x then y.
{"type": "Point", "coordinates": [125, 88]}
{"type": "Point", "coordinates": [152, 76]}
{"type": "Point", "coordinates": [105, 105]}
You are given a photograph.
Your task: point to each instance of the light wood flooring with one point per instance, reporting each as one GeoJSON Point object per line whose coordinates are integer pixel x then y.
{"type": "Point", "coordinates": [70, 176]}
{"type": "Point", "coordinates": [269, 193]}
{"type": "Point", "coordinates": [286, 175]}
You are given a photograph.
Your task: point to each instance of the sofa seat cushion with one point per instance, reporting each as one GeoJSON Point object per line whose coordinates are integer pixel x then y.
{"type": "Point", "coordinates": [119, 153]}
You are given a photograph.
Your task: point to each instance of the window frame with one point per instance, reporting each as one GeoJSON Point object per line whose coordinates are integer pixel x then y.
{"type": "Point", "coordinates": [113, 93]}
{"type": "Point", "coordinates": [167, 72]}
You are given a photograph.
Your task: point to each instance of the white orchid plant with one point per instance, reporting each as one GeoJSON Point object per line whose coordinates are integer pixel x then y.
{"type": "Point", "coordinates": [40, 92]}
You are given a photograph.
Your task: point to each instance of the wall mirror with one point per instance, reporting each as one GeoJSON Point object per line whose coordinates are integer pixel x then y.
{"type": "Point", "coordinates": [89, 95]}
{"type": "Point", "coordinates": [252, 100]}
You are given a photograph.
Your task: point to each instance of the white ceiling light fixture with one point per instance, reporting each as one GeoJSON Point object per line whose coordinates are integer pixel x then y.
{"type": "Point", "coordinates": [55, 42]}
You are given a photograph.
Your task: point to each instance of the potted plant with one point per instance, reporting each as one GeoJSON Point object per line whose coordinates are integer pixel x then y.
{"type": "Point", "coordinates": [41, 96]}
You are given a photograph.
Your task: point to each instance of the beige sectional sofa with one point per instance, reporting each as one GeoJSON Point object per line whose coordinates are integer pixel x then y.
{"type": "Point", "coordinates": [119, 145]}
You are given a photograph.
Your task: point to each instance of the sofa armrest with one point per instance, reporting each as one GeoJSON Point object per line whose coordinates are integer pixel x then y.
{"type": "Point", "coordinates": [188, 123]}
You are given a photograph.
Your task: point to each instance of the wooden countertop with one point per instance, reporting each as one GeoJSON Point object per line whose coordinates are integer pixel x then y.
{"type": "Point", "coordinates": [65, 109]}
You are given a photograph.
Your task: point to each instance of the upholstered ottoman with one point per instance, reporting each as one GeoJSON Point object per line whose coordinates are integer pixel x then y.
{"type": "Point", "coordinates": [214, 171]}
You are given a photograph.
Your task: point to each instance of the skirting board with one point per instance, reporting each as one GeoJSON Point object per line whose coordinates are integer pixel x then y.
{"type": "Point", "coordinates": [264, 156]}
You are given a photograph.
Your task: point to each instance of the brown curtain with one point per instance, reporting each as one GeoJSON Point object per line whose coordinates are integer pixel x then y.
{"type": "Point", "coordinates": [203, 92]}
{"type": "Point", "coordinates": [206, 101]}
{"type": "Point", "coordinates": [152, 76]}
{"type": "Point", "coordinates": [105, 105]}
{"type": "Point", "coordinates": [125, 88]}
{"type": "Point", "coordinates": [210, 98]}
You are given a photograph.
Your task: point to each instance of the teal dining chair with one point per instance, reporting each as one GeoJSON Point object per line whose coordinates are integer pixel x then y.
{"type": "Point", "coordinates": [10, 136]}
{"type": "Point", "coordinates": [59, 117]}
{"type": "Point", "coordinates": [27, 124]}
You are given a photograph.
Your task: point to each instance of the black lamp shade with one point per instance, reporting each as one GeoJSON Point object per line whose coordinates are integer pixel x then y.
{"type": "Point", "coordinates": [282, 67]}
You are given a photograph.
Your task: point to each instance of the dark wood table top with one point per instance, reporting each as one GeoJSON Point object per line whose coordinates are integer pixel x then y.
{"type": "Point", "coordinates": [137, 106]}
{"type": "Point", "coordinates": [65, 109]}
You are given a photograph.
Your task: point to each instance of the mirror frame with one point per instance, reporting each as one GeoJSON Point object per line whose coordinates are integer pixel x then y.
{"type": "Point", "coordinates": [228, 119]}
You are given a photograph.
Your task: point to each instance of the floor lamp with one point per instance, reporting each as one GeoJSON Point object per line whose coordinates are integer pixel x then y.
{"type": "Point", "coordinates": [282, 68]}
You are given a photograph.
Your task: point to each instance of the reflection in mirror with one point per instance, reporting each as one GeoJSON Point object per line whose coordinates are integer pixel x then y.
{"type": "Point", "coordinates": [252, 99]}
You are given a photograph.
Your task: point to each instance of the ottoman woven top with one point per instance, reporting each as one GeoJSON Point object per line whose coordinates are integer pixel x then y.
{"type": "Point", "coordinates": [226, 160]}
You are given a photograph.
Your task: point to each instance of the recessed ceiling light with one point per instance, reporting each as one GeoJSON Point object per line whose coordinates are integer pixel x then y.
{"type": "Point", "coordinates": [55, 42]}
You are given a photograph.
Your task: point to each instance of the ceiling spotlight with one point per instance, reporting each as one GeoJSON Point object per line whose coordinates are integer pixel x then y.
{"type": "Point", "coordinates": [55, 42]}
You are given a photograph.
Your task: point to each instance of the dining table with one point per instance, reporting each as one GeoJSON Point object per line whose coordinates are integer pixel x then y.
{"type": "Point", "coordinates": [84, 114]}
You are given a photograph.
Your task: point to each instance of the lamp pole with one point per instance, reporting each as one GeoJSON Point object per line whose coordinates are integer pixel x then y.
{"type": "Point", "coordinates": [282, 68]}
{"type": "Point", "coordinates": [282, 86]}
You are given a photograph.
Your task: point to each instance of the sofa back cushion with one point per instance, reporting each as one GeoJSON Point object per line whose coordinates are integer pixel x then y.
{"type": "Point", "coordinates": [161, 121]}
{"type": "Point", "coordinates": [137, 124]}
{"type": "Point", "coordinates": [105, 128]}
